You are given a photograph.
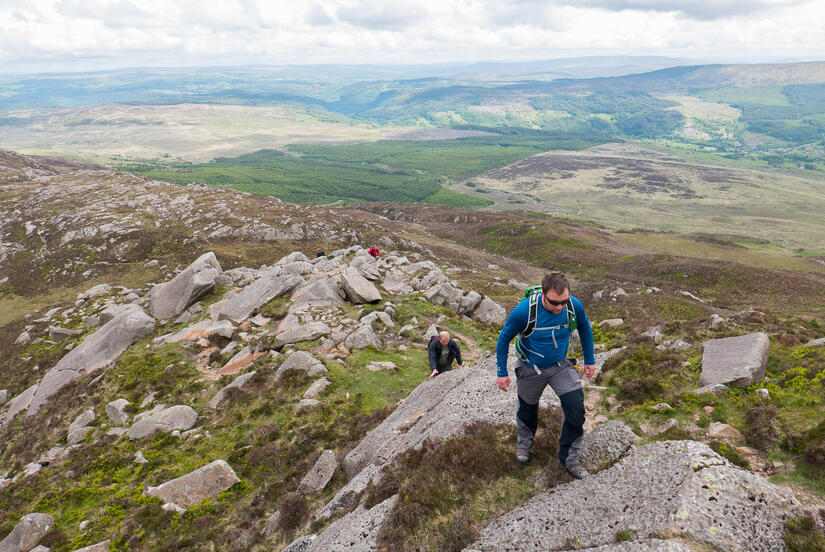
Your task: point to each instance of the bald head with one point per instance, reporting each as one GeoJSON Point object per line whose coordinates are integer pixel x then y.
{"type": "Point", "coordinates": [444, 337]}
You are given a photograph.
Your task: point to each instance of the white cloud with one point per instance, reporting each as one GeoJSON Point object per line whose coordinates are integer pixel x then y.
{"type": "Point", "coordinates": [86, 34]}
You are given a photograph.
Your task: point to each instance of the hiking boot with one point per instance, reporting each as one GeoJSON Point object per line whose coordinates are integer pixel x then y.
{"type": "Point", "coordinates": [523, 455]}
{"type": "Point", "coordinates": [576, 470]}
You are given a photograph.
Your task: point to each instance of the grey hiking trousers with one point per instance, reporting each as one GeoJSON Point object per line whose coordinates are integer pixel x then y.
{"type": "Point", "coordinates": [566, 383]}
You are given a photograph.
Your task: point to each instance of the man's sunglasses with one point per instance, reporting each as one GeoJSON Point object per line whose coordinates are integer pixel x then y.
{"type": "Point", "coordinates": [556, 303]}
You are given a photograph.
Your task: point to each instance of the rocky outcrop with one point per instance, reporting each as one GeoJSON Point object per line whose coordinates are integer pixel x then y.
{"type": "Point", "coordinates": [679, 488]}
{"type": "Point", "coordinates": [318, 293]}
{"type": "Point", "coordinates": [490, 312]}
{"type": "Point", "coordinates": [316, 388]}
{"type": "Point", "coordinates": [102, 546]}
{"type": "Point", "coordinates": [319, 476]}
{"type": "Point", "coordinates": [116, 410]}
{"type": "Point", "coordinates": [27, 533]}
{"type": "Point", "coordinates": [357, 288]}
{"type": "Point", "coordinates": [269, 286]}
{"type": "Point", "coordinates": [439, 408]}
{"type": "Point", "coordinates": [180, 417]}
{"type": "Point", "coordinates": [355, 532]}
{"type": "Point", "coordinates": [197, 486]}
{"type": "Point", "coordinates": [98, 350]}
{"type": "Point", "coordinates": [237, 383]}
{"type": "Point", "coordinates": [361, 338]}
{"type": "Point", "coordinates": [736, 361]}
{"type": "Point", "coordinates": [172, 298]}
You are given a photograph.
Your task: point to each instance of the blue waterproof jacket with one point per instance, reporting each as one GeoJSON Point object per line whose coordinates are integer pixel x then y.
{"type": "Point", "coordinates": [547, 344]}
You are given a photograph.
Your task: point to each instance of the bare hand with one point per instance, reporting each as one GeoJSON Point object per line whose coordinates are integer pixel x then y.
{"type": "Point", "coordinates": [433, 374]}
{"type": "Point", "coordinates": [589, 370]}
{"type": "Point", "coordinates": [503, 383]}
{"type": "Point", "coordinates": [460, 366]}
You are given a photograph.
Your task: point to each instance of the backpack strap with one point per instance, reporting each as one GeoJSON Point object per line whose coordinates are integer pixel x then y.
{"type": "Point", "coordinates": [533, 312]}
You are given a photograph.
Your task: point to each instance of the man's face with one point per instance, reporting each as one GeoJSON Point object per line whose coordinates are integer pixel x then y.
{"type": "Point", "coordinates": [444, 339]}
{"type": "Point", "coordinates": [560, 298]}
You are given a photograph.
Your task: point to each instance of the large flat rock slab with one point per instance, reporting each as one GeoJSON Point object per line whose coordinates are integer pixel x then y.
{"type": "Point", "coordinates": [18, 404]}
{"type": "Point", "coordinates": [439, 408]}
{"type": "Point", "coordinates": [97, 351]}
{"type": "Point", "coordinates": [269, 286]}
{"type": "Point", "coordinates": [736, 361]}
{"type": "Point", "coordinates": [358, 288]}
{"type": "Point", "coordinates": [173, 297]}
{"type": "Point", "coordinates": [674, 488]}
{"type": "Point", "coordinates": [355, 532]}
{"type": "Point", "coordinates": [177, 417]}
{"type": "Point", "coordinates": [195, 487]}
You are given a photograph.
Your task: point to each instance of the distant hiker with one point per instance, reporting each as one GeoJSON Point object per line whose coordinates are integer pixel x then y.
{"type": "Point", "coordinates": [543, 323]}
{"type": "Point", "coordinates": [373, 251]}
{"type": "Point", "coordinates": [320, 253]}
{"type": "Point", "coordinates": [442, 351]}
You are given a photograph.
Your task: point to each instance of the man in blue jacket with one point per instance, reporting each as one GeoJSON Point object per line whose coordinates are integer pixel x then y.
{"type": "Point", "coordinates": [543, 361]}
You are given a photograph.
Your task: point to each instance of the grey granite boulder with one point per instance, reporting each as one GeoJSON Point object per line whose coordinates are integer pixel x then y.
{"type": "Point", "coordinates": [269, 286]}
{"type": "Point", "coordinates": [4, 396]}
{"type": "Point", "coordinates": [355, 532]}
{"type": "Point", "coordinates": [305, 332]}
{"type": "Point", "coordinates": [320, 475]}
{"type": "Point", "coordinates": [98, 350]}
{"type": "Point", "coordinates": [715, 389]}
{"type": "Point", "coordinates": [237, 383]}
{"type": "Point", "coordinates": [489, 311]}
{"type": "Point", "coordinates": [666, 488]}
{"type": "Point", "coordinates": [602, 447]}
{"type": "Point", "coordinates": [116, 410]}
{"type": "Point", "coordinates": [362, 337]}
{"type": "Point", "coordinates": [78, 428]}
{"type": "Point", "coordinates": [301, 544]}
{"type": "Point", "coordinates": [179, 417]}
{"type": "Point", "coordinates": [173, 297]}
{"type": "Point", "coordinates": [301, 361]}
{"type": "Point", "coordinates": [318, 293]}
{"type": "Point", "coordinates": [58, 333]}
{"type": "Point", "coordinates": [816, 342]}
{"type": "Point", "coordinates": [736, 361]}
{"type": "Point", "coordinates": [27, 533]}
{"type": "Point", "coordinates": [18, 404]}
{"type": "Point", "coordinates": [358, 288]}
{"type": "Point", "coordinates": [197, 486]}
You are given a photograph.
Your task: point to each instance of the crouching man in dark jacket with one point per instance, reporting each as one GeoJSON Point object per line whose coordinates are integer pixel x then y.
{"type": "Point", "coordinates": [442, 352]}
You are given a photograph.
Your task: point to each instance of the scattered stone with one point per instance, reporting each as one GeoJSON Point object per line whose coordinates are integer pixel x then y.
{"type": "Point", "coordinates": [272, 524]}
{"type": "Point", "coordinates": [666, 488]}
{"type": "Point", "coordinates": [737, 361]}
{"type": "Point", "coordinates": [715, 389]}
{"type": "Point", "coordinates": [150, 264]}
{"type": "Point", "coordinates": [237, 383]}
{"type": "Point", "coordinates": [78, 430]}
{"type": "Point", "coordinates": [320, 475]}
{"type": "Point", "coordinates": [167, 419]}
{"type": "Point", "coordinates": [362, 338]}
{"type": "Point", "coordinates": [30, 469]}
{"type": "Point", "coordinates": [763, 393]}
{"type": "Point", "coordinates": [93, 292]}
{"type": "Point", "coordinates": [718, 430]}
{"type": "Point", "coordinates": [611, 322]}
{"type": "Point", "coordinates": [618, 293]}
{"type": "Point", "coordinates": [242, 360]}
{"type": "Point", "coordinates": [260, 320]}
{"type": "Point", "coordinates": [98, 547]}
{"type": "Point", "coordinates": [195, 487]}
{"type": "Point", "coordinates": [654, 334]}
{"type": "Point", "coordinates": [651, 429]}
{"type": "Point", "coordinates": [661, 407]}
{"type": "Point", "coordinates": [139, 458]}
{"type": "Point", "coordinates": [306, 332]}
{"type": "Point", "coordinates": [189, 314]}
{"type": "Point", "coordinates": [305, 404]}
{"type": "Point", "coordinates": [679, 345]}
{"type": "Point", "coordinates": [378, 366]}
{"type": "Point", "coordinates": [58, 333]}
{"type": "Point", "coordinates": [23, 338]}
{"type": "Point", "coordinates": [317, 293]}
{"type": "Point", "coordinates": [690, 295]}
{"type": "Point", "coordinates": [602, 447]}
{"type": "Point", "coordinates": [708, 410]}
{"type": "Point", "coordinates": [55, 455]}
{"type": "Point", "coordinates": [149, 399]}
{"type": "Point", "coordinates": [301, 361]}
{"type": "Point", "coordinates": [98, 350]}
{"type": "Point", "coordinates": [318, 387]}
{"type": "Point", "coordinates": [4, 396]}
{"type": "Point", "coordinates": [816, 342]}
{"type": "Point", "coordinates": [716, 320]}
{"type": "Point", "coordinates": [27, 533]}
{"type": "Point", "coordinates": [116, 410]}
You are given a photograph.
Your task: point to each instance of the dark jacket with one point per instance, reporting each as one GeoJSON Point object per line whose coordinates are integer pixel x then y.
{"type": "Point", "coordinates": [434, 353]}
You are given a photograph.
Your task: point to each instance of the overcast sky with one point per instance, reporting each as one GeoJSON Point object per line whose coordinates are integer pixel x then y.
{"type": "Point", "coordinates": [48, 35]}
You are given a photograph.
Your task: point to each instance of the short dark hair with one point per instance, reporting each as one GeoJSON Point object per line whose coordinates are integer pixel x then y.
{"type": "Point", "coordinates": [555, 281]}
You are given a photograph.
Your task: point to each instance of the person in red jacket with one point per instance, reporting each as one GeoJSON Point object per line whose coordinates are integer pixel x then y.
{"type": "Point", "coordinates": [373, 251]}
